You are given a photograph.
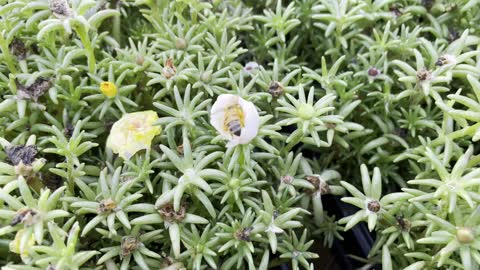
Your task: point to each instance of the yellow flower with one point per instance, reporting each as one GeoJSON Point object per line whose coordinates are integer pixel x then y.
{"type": "Point", "coordinates": [108, 89]}
{"type": "Point", "coordinates": [15, 244]}
{"type": "Point", "coordinates": [132, 133]}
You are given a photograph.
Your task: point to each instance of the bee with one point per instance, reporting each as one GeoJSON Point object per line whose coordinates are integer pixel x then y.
{"type": "Point", "coordinates": [129, 245]}
{"type": "Point", "coordinates": [441, 61]}
{"type": "Point", "coordinates": [445, 59]}
{"type": "Point", "coordinates": [275, 89]}
{"type": "Point", "coordinates": [25, 216]}
{"type": "Point", "coordinates": [244, 234]}
{"type": "Point", "coordinates": [233, 120]}
{"type": "Point", "coordinates": [107, 206]}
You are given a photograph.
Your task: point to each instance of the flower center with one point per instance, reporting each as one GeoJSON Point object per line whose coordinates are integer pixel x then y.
{"type": "Point", "coordinates": [424, 75]}
{"type": "Point", "coordinates": [374, 206]}
{"type": "Point", "coordinates": [169, 214]}
{"type": "Point", "coordinates": [107, 206]}
{"type": "Point", "coordinates": [306, 111]}
{"type": "Point", "coordinates": [287, 179]}
{"type": "Point", "coordinates": [129, 245]}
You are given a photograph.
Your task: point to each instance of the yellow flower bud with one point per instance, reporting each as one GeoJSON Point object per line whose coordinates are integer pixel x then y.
{"type": "Point", "coordinates": [108, 89]}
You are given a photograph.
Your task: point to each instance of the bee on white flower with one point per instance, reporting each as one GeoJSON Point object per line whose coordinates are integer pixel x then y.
{"type": "Point", "coordinates": [446, 59]}
{"type": "Point", "coordinates": [235, 119]}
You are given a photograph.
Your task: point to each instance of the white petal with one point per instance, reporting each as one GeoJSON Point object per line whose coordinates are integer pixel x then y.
{"type": "Point", "coordinates": [233, 142]}
{"type": "Point", "coordinates": [252, 122]}
{"type": "Point", "coordinates": [217, 113]}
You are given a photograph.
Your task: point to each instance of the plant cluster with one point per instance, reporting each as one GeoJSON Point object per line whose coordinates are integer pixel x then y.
{"type": "Point", "coordinates": [189, 134]}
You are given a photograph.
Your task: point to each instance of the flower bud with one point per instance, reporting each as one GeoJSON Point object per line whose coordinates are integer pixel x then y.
{"type": "Point", "coordinates": [465, 235]}
{"type": "Point", "coordinates": [180, 43]}
{"type": "Point", "coordinates": [109, 89]}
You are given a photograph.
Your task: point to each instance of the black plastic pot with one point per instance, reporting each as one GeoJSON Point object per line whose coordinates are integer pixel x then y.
{"type": "Point", "coordinates": [358, 241]}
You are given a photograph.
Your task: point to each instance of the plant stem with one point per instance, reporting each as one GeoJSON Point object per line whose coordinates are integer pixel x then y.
{"type": "Point", "coordinates": [83, 34]}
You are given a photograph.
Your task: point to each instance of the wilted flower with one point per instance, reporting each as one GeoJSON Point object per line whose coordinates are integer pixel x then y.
{"type": "Point", "coordinates": [60, 8]}
{"type": "Point", "coordinates": [169, 69]}
{"type": "Point", "coordinates": [133, 132]}
{"type": "Point", "coordinates": [17, 48]}
{"type": "Point", "coordinates": [21, 153]}
{"type": "Point", "coordinates": [235, 118]}
{"type": "Point", "coordinates": [35, 90]}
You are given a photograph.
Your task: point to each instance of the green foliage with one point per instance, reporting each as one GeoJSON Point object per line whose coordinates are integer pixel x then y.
{"type": "Point", "coordinates": [341, 88]}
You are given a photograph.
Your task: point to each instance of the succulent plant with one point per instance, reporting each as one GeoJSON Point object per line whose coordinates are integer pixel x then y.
{"type": "Point", "coordinates": [195, 134]}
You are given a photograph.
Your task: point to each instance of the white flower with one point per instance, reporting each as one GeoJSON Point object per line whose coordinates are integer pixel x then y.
{"type": "Point", "coordinates": [446, 59]}
{"type": "Point", "coordinates": [250, 67]}
{"type": "Point", "coordinates": [231, 107]}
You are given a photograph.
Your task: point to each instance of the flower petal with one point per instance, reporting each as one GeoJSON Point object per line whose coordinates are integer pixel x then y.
{"type": "Point", "coordinates": [251, 119]}
{"type": "Point", "coordinates": [252, 122]}
{"type": "Point", "coordinates": [132, 133]}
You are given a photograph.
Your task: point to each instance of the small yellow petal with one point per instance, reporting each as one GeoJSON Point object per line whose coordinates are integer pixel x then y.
{"type": "Point", "coordinates": [108, 89]}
